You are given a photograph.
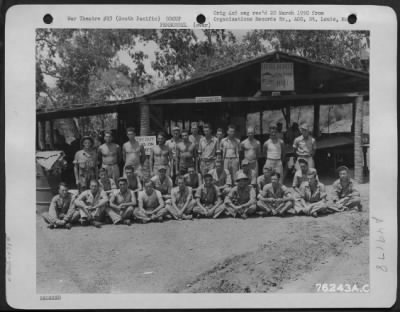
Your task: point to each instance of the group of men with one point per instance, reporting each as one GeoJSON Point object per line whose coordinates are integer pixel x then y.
{"type": "Point", "coordinates": [214, 176]}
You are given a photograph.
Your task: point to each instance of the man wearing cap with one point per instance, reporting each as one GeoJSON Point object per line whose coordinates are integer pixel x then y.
{"type": "Point", "coordinates": [182, 203]}
{"type": "Point", "coordinates": [345, 195]}
{"type": "Point", "coordinates": [172, 144]}
{"type": "Point", "coordinates": [241, 200]}
{"type": "Point", "coordinates": [221, 178]}
{"type": "Point", "coordinates": [151, 204]}
{"type": "Point", "coordinates": [109, 155]}
{"type": "Point", "coordinates": [62, 209]}
{"type": "Point", "coordinates": [301, 175]}
{"type": "Point", "coordinates": [92, 204]}
{"type": "Point", "coordinates": [207, 151]}
{"type": "Point", "coordinates": [275, 198]}
{"type": "Point", "coordinates": [250, 173]}
{"type": "Point", "coordinates": [230, 151]}
{"type": "Point", "coordinates": [193, 179]}
{"type": "Point", "coordinates": [105, 183]}
{"type": "Point", "coordinates": [163, 183]}
{"type": "Point", "coordinates": [312, 198]}
{"type": "Point", "coordinates": [264, 179]}
{"type": "Point", "coordinates": [85, 164]}
{"type": "Point", "coordinates": [186, 153]}
{"type": "Point", "coordinates": [208, 199]}
{"type": "Point", "coordinates": [195, 137]}
{"type": "Point", "coordinates": [133, 153]}
{"type": "Point", "coordinates": [305, 147]}
{"type": "Point", "coordinates": [122, 203]}
{"type": "Point", "coordinates": [251, 149]}
{"type": "Point", "coordinates": [274, 152]}
{"type": "Point", "coordinates": [160, 155]}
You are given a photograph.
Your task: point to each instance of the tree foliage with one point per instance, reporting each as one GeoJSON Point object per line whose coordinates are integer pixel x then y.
{"type": "Point", "coordinates": [86, 64]}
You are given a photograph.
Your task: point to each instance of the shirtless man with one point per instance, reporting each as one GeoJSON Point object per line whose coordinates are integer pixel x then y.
{"type": "Point", "coordinates": [222, 178]}
{"type": "Point", "coordinates": [193, 179]}
{"type": "Point", "coordinates": [186, 153]}
{"type": "Point", "coordinates": [151, 204]}
{"type": "Point", "coordinates": [230, 152]}
{"type": "Point", "coordinates": [134, 183]}
{"type": "Point", "coordinates": [122, 203]}
{"type": "Point", "coordinates": [160, 155]}
{"type": "Point", "coordinates": [172, 144]}
{"type": "Point", "coordinates": [251, 149]}
{"type": "Point", "coordinates": [208, 199]}
{"type": "Point", "coordinates": [85, 164]}
{"type": "Point", "coordinates": [133, 153]}
{"type": "Point", "coordinates": [109, 155]}
{"type": "Point", "coordinates": [264, 179]}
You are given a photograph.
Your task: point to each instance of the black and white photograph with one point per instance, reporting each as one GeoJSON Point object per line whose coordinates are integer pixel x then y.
{"type": "Point", "coordinates": [222, 161]}
{"type": "Point", "coordinates": [200, 156]}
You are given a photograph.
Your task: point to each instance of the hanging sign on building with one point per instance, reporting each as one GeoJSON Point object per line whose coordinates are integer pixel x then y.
{"type": "Point", "coordinates": [277, 77]}
{"type": "Point", "coordinates": [147, 141]}
{"type": "Point", "coordinates": [208, 99]}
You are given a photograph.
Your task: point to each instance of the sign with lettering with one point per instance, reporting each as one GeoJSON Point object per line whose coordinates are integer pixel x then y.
{"type": "Point", "coordinates": [147, 141]}
{"type": "Point", "coordinates": [208, 99]}
{"type": "Point", "coordinates": [277, 77]}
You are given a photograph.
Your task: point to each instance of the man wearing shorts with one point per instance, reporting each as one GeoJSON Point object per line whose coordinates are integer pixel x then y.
{"type": "Point", "coordinates": [274, 152]}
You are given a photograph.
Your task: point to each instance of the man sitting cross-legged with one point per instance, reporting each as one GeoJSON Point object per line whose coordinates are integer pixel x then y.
{"type": "Point", "coordinates": [208, 199]}
{"type": "Point", "coordinates": [345, 195]}
{"type": "Point", "coordinates": [122, 203]}
{"type": "Point", "coordinates": [91, 204]}
{"type": "Point", "coordinates": [163, 184]}
{"type": "Point", "coordinates": [221, 178]}
{"type": "Point", "coordinates": [241, 200]}
{"type": "Point", "coordinates": [151, 204]}
{"type": "Point", "coordinates": [62, 209]}
{"type": "Point", "coordinates": [182, 202]}
{"type": "Point", "coordinates": [312, 199]}
{"type": "Point", "coordinates": [275, 198]}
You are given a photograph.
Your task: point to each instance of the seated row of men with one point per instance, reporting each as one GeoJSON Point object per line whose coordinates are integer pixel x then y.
{"type": "Point", "coordinates": [158, 200]}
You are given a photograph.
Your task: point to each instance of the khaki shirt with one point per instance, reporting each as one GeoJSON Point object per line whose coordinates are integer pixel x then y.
{"type": "Point", "coordinates": [208, 148]}
{"type": "Point", "coordinates": [300, 177]}
{"type": "Point", "coordinates": [60, 205]}
{"type": "Point", "coordinates": [179, 198]}
{"type": "Point", "coordinates": [89, 199]}
{"type": "Point", "coordinates": [281, 192]}
{"type": "Point", "coordinates": [312, 196]}
{"type": "Point", "coordinates": [164, 187]}
{"type": "Point", "coordinates": [339, 191]}
{"type": "Point", "coordinates": [304, 147]}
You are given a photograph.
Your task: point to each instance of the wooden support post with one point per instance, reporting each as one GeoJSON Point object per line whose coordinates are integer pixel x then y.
{"type": "Point", "coordinates": [316, 120]}
{"type": "Point", "coordinates": [51, 134]}
{"type": "Point", "coordinates": [287, 117]}
{"type": "Point", "coordinates": [353, 117]}
{"type": "Point", "coordinates": [261, 124]}
{"type": "Point", "coordinates": [358, 153]}
{"type": "Point", "coordinates": [144, 119]}
{"type": "Point", "coordinates": [41, 135]}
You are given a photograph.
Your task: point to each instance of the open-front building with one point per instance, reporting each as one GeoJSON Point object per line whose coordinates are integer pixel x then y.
{"type": "Point", "coordinates": [256, 88]}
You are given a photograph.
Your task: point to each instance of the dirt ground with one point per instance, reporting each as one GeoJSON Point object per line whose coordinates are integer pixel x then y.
{"type": "Point", "coordinates": [227, 255]}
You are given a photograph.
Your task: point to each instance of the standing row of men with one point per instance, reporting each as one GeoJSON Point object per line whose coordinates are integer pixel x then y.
{"type": "Point", "coordinates": [184, 151]}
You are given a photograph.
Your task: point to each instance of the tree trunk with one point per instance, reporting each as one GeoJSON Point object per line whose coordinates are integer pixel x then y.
{"type": "Point", "coordinates": [316, 120]}
{"type": "Point", "coordinates": [144, 119]}
{"type": "Point", "coordinates": [358, 154]}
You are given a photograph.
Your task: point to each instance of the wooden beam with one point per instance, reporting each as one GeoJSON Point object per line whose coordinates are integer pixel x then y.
{"type": "Point", "coordinates": [358, 154]}
{"type": "Point", "coordinates": [316, 120]}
